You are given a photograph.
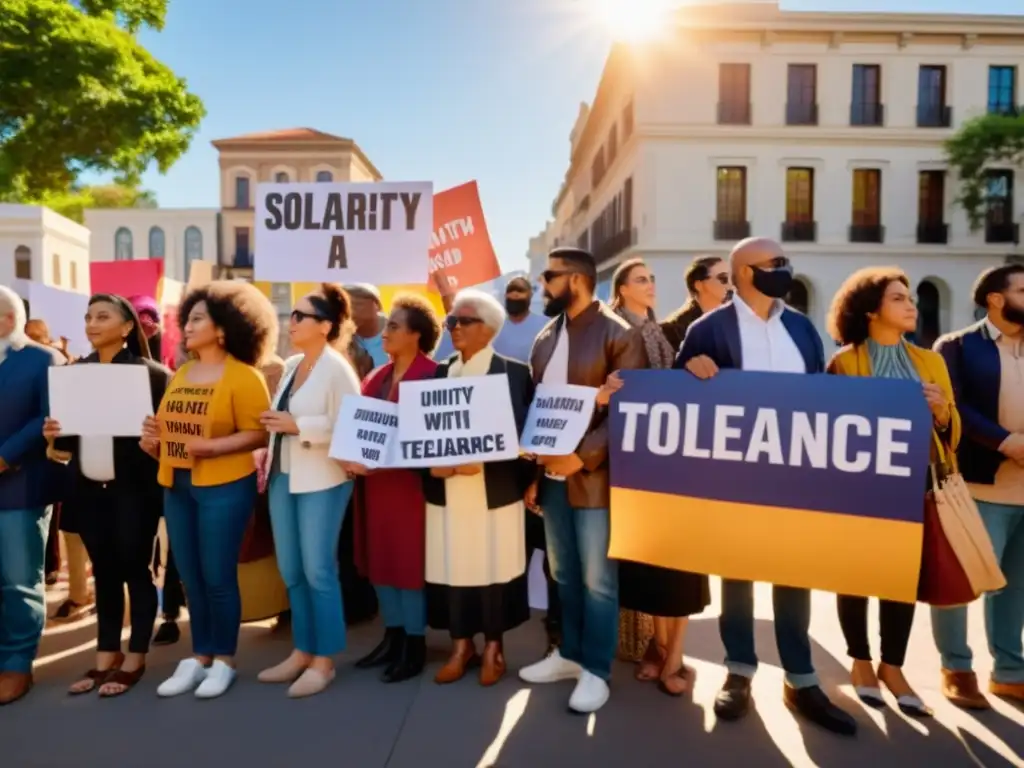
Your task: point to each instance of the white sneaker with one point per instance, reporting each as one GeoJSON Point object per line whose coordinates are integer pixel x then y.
{"type": "Point", "coordinates": [218, 679]}
{"type": "Point", "coordinates": [187, 675]}
{"type": "Point", "coordinates": [551, 669]}
{"type": "Point", "coordinates": [591, 693]}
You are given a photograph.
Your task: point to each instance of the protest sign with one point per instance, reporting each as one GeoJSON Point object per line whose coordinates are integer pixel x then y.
{"type": "Point", "coordinates": [183, 417]}
{"type": "Point", "coordinates": [100, 400]}
{"type": "Point", "coordinates": [772, 477]}
{"type": "Point", "coordinates": [62, 311]}
{"type": "Point", "coordinates": [364, 431]}
{"type": "Point", "coordinates": [558, 418]}
{"type": "Point", "coordinates": [343, 232]}
{"type": "Point", "coordinates": [449, 422]}
{"type": "Point", "coordinates": [460, 247]}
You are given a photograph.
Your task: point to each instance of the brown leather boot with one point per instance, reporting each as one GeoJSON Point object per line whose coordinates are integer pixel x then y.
{"type": "Point", "coordinates": [493, 668]}
{"type": "Point", "coordinates": [1013, 691]}
{"type": "Point", "coordinates": [961, 688]}
{"type": "Point", "coordinates": [463, 657]}
{"type": "Point", "coordinates": [14, 686]}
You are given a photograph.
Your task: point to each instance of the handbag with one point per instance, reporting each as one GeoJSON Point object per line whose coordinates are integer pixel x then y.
{"type": "Point", "coordinates": [958, 563]}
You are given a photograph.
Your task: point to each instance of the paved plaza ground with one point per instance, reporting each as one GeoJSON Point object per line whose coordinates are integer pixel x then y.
{"type": "Point", "coordinates": [361, 723]}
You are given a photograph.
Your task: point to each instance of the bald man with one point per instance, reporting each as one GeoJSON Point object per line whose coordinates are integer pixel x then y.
{"type": "Point", "coordinates": [756, 331]}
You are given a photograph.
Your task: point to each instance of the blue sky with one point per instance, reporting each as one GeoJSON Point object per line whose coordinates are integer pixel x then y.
{"type": "Point", "coordinates": [438, 90]}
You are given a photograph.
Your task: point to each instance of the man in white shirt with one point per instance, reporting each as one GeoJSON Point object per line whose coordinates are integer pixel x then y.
{"type": "Point", "coordinates": [756, 331]}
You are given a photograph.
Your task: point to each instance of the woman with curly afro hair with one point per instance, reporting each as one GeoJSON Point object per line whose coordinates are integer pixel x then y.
{"type": "Point", "coordinates": [871, 314]}
{"type": "Point", "coordinates": [204, 436]}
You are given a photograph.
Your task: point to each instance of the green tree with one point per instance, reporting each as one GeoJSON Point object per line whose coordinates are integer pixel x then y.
{"type": "Point", "coordinates": [79, 93]}
{"type": "Point", "coordinates": [979, 143]}
{"type": "Point", "coordinates": [74, 202]}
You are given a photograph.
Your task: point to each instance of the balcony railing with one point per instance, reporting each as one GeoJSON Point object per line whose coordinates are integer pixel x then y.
{"type": "Point", "coordinates": [731, 230]}
{"type": "Point", "coordinates": [734, 113]}
{"type": "Point", "coordinates": [934, 116]}
{"type": "Point", "coordinates": [799, 231]}
{"type": "Point", "coordinates": [867, 233]}
{"type": "Point", "coordinates": [1002, 233]}
{"type": "Point", "coordinates": [932, 233]}
{"type": "Point", "coordinates": [614, 245]}
{"type": "Point", "coordinates": [801, 113]}
{"type": "Point", "coordinates": [242, 259]}
{"type": "Point", "coordinates": [867, 113]}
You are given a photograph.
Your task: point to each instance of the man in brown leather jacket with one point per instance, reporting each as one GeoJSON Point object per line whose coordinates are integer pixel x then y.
{"type": "Point", "coordinates": [584, 343]}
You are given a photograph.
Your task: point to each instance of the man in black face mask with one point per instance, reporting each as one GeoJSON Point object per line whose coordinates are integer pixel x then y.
{"type": "Point", "coordinates": [756, 331]}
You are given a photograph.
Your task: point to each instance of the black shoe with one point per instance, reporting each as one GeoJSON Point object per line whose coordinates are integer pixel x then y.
{"type": "Point", "coordinates": [168, 634]}
{"type": "Point", "coordinates": [733, 701]}
{"type": "Point", "coordinates": [387, 651]}
{"type": "Point", "coordinates": [813, 704]}
{"type": "Point", "coordinates": [411, 661]}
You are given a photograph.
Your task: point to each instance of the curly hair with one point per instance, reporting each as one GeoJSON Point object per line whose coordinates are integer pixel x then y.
{"type": "Point", "coordinates": [860, 295]}
{"type": "Point", "coordinates": [242, 313]}
{"type": "Point", "coordinates": [420, 318]}
{"type": "Point", "coordinates": [335, 306]}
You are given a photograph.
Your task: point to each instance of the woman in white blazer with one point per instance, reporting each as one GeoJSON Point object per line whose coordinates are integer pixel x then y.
{"type": "Point", "coordinates": [309, 492]}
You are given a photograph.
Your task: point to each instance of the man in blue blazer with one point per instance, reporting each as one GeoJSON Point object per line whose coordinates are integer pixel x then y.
{"type": "Point", "coordinates": [27, 489]}
{"type": "Point", "coordinates": [756, 331]}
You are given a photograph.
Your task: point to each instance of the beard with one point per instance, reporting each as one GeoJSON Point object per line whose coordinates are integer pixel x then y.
{"type": "Point", "coordinates": [1013, 314]}
{"type": "Point", "coordinates": [556, 305]}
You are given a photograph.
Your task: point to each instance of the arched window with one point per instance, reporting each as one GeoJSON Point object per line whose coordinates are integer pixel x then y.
{"type": "Point", "coordinates": [193, 247]}
{"type": "Point", "coordinates": [157, 242]}
{"type": "Point", "coordinates": [74, 276]}
{"type": "Point", "coordinates": [56, 270]}
{"type": "Point", "coordinates": [123, 245]}
{"type": "Point", "coordinates": [929, 309]}
{"type": "Point", "coordinates": [799, 297]}
{"type": "Point", "coordinates": [23, 262]}
{"type": "Point", "coordinates": [281, 177]}
{"type": "Point", "coordinates": [324, 176]}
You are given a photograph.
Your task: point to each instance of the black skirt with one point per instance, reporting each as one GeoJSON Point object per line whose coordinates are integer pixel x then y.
{"type": "Point", "coordinates": [662, 591]}
{"type": "Point", "coordinates": [469, 611]}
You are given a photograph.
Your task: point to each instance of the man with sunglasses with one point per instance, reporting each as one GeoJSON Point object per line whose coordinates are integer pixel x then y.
{"type": "Point", "coordinates": [584, 343]}
{"type": "Point", "coordinates": [709, 285]}
{"type": "Point", "coordinates": [756, 331]}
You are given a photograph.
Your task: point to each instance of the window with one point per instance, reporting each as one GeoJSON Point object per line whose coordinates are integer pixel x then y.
{"type": "Point", "coordinates": [627, 205]}
{"type": "Point", "coordinates": [242, 255]}
{"type": "Point", "coordinates": [123, 246]}
{"type": "Point", "coordinates": [73, 269]}
{"type": "Point", "coordinates": [324, 176]}
{"type": "Point", "coordinates": [799, 225]}
{"type": "Point", "coordinates": [613, 144]}
{"type": "Point", "coordinates": [802, 95]}
{"type": "Point", "coordinates": [242, 192]}
{"type": "Point", "coordinates": [281, 177]}
{"type": "Point", "coordinates": [193, 246]}
{"type": "Point", "coordinates": [156, 243]}
{"type": "Point", "coordinates": [999, 224]}
{"type": "Point", "coordinates": [597, 168]}
{"type": "Point", "coordinates": [56, 270]}
{"type": "Point", "coordinates": [627, 121]}
{"type": "Point", "coordinates": [867, 206]}
{"type": "Point", "coordinates": [931, 202]}
{"type": "Point", "coordinates": [1002, 90]}
{"type": "Point", "coordinates": [866, 105]}
{"type": "Point", "coordinates": [23, 262]}
{"type": "Point", "coordinates": [732, 194]}
{"type": "Point", "coordinates": [932, 111]}
{"type": "Point", "coordinates": [734, 94]}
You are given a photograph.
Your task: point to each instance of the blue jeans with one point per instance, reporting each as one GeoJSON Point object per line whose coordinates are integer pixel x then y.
{"type": "Point", "coordinates": [23, 535]}
{"type": "Point", "coordinates": [1004, 610]}
{"type": "Point", "coordinates": [405, 608]}
{"type": "Point", "coordinates": [306, 531]}
{"type": "Point", "coordinates": [792, 623]}
{"type": "Point", "coordinates": [206, 526]}
{"type": "Point", "coordinates": [588, 582]}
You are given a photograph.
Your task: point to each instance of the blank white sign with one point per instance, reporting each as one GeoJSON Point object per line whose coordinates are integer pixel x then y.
{"type": "Point", "coordinates": [100, 399]}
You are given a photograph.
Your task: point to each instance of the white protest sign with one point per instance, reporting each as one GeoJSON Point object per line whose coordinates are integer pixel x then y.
{"type": "Point", "coordinates": [448, 422]}
{"type": "Point", "coordinates": [93, 399]}
{"type": "Point", "coordinates": [364, 431]}
{"type": "Point", "coordinates": [344, 233]}
{"type": "Point", "coordinates": [558, 419]}
{"type": "Point", "coordinates": [62, 311]}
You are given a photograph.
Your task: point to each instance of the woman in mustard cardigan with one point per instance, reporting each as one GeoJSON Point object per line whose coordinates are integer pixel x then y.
{"type": "Point", "coordinates": [870, 315]}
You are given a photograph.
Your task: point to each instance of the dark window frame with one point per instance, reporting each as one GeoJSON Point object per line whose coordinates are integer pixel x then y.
{"type": "Point", "coordinates": [869, 214]}
{"type": "Point", "coordinates": [730, 184]}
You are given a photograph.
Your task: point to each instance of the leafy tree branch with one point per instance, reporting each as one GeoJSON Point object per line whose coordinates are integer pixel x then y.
{"type": "Point", "coordinates": [982, 142]}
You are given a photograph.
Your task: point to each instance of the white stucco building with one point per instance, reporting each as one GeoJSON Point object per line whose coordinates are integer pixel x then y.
{"type": "Point", "coordinates": [822, 130]}
{"type": "Point", "coordinates": [178, 236]}
{"type": "Point", "coordinates": [39, 245]}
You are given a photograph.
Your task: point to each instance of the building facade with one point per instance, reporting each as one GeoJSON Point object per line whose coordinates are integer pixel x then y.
{"type": "Point", "coordinates": [178, 236]}
{"type": "Point", "coordinates": [822, 130]}
{"type": "Point", "coordinates": [41, 246]}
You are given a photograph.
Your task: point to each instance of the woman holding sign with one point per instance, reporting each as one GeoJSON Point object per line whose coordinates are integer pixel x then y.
{"type": "Point", "coordinates": [870, 315]}
{"type": "Point", "coordinates": [115, 502]}
{"type": "Point", "coordinates": [204, 435]}
{"type": "Point", "coordinates": [390, 523]}
{"type": "Point", "coordinates": [667, 595]}
{"type": "Point", "coordinates": [476, 534]}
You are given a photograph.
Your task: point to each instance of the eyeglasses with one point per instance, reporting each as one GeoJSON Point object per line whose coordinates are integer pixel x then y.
{"type": "Point", "coordinates": [298, 316]}
{"type": "Point", "coordinates": [643, 280]}
{"type": "Point", "coordinates": [454, 321]}
{"type": "Point", "coordinates": [722, 278]}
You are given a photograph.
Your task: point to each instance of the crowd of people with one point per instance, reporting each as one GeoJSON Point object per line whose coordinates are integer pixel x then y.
{"type": "Point", "coordinates": [449, 548]}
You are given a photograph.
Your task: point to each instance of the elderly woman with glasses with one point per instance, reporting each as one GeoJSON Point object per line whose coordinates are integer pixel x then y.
{"type": "Point", "coordinates": [476, 548]}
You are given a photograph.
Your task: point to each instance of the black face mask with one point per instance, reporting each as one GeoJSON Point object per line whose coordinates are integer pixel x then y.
{"type": "Point", "coordinates": [517, 307]}
{"type": "Point", "coordinates": [556, 305]}
{"type": "Point", "coordinates": [1013, 314]}
{"type": "Point", "coordinates": [773, 283]}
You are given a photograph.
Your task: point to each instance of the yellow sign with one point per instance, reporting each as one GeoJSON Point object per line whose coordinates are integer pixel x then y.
{"type": "Point", "coordinates": [184, 416]}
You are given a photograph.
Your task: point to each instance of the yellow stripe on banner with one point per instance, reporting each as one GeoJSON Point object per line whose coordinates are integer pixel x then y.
{"type": "Point", "coordinates": [818, 550]}
{"type": "Point", "coordinates": [387, 293]}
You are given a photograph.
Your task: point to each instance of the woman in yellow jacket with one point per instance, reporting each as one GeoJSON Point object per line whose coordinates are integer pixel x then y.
{"type": "Point", "coordinates": [870, 315]}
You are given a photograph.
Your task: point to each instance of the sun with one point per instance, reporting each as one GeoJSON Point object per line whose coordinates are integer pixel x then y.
{"type": "Point", "coordinates": [635, 20]}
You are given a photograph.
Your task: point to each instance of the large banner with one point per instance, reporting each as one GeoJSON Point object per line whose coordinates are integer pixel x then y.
{"type": "Point", "coordinates": [343, 232]}
{"type": "Point", "coordinates": [807, 481]}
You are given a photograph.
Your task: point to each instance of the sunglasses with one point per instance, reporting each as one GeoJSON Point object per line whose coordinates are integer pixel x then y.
{"type": "Point", "coordinates": [553, 274]}
{"type": "Point", "coordinates": [723, 278]}
{"type": "Point", "coordinates": [298, 316]}
{"type": "Point", "coordinates": [454, 322]}
{"type": "Point", "coordinates": [777, 263]}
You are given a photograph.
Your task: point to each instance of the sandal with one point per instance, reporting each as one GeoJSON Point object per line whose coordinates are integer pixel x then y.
{"type": "Point", "coordinates": [119, 677]}
{"type": "Point", "coordinates": [97, 677]}
{"type": "Point", "coordinates": [648, 669]}
{"type": "Point", "coordinates": [685, 673]}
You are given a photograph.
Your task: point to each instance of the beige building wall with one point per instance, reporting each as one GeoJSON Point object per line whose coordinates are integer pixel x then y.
{"type": "Point", "coordinates": [39, 245]}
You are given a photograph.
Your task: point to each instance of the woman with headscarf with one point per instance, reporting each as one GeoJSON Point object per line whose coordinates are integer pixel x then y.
{"type": "Point", "coordinates": [116, 502]}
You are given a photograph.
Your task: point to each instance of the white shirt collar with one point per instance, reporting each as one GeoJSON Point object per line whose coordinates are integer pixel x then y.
{"type": "Point", "coordinates": [777, 308]}
{"type": "Point", "coordinates": [993, 332]}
